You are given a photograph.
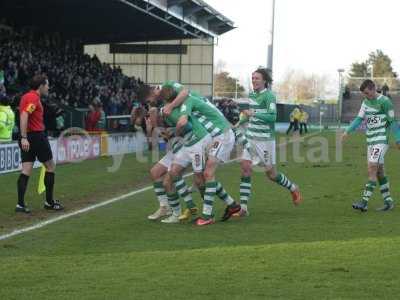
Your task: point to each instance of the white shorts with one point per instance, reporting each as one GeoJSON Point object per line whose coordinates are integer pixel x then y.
{"type": "Point", "coordinates": [222, 146]}
{"type": "Point", "coordinates": [260, 152]}
{"type": "Point", "coordinates": [376, 153]}
{"type": "Point", "coordinates": [167, 160]}
{"type": "Point", "coordinates": [195, 155]}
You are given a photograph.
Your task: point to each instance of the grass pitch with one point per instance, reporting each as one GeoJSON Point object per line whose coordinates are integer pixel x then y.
{"type": "Point", "coordinates": [320, 250]}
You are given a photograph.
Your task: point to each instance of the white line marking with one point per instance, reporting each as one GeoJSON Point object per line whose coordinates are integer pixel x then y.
{"type": "Point", "coordinates": [95, 206]}
{"type": "Point", "coordinates": [77, 212]}
{"type": "Point", "coordinates": [74, 213]}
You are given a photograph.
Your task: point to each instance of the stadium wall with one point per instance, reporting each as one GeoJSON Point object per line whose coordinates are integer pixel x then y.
{"type": "Point", "coordinates": [193, 68]}
{"type": "Point", "coordinates": [76, 148]}
{"type": "Point", "coordinates": [329, 113]}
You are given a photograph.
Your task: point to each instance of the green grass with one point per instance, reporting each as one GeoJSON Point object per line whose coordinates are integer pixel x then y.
{"type": "Point", "coordinates": [77, 185]}
{"type": "Point", "coordinates": [320, 250]}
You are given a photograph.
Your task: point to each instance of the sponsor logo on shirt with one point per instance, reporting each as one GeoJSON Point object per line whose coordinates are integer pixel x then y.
{"type": "Point", "coordinates": [31, 108]}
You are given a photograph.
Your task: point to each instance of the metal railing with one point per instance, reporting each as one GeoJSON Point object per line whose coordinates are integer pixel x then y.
{"type": "Point", "coordinates": [119, 123]}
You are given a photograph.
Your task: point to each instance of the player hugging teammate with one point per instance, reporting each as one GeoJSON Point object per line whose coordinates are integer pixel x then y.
{"type": "Point", "coordinates": [208, 140]}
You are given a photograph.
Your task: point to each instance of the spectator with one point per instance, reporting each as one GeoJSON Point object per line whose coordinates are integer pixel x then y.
{"type": "Point", "coordinates": [60, 120]}
{"type": "Point", "coordinates": [101, 123]}
{"type": "Point", "coordinates": [229, 109]}
{"type": "Point", "coordinates": [347, 92]}
{"type": "Point", "coordinates": [294, 120]}
{"type": "Point", "coordinates": [92, 118]}
{"type": "Point", "coordinates": [7, 119]}
{"type": "Point", "coordinates": [303, 121]}
{"type": "Point", "coordinates": [2, 79]}
{"type": "Point", "coordinates": [385, 89]}
{"type": "Point", "coordinates": [232, 112]}
{"type": "Point", "coordinates": [138, 120]}
{"type": "Point", "coordinates": [78, 78]}
{"type": "Point", "coordinates": [51, 112]}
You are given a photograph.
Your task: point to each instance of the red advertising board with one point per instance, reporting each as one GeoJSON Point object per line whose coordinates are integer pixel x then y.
{"type": "Point", "coordinates": [78, 148]}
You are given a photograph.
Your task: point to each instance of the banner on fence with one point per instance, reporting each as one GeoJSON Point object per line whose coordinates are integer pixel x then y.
{"type": "Point", "coordinates": [76, 148]}
{"type": "Point", "coordinates": [10, 156]}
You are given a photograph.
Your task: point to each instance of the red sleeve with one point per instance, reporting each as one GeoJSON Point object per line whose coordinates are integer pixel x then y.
{"type": "Point", "coordinates": [87, 122]}
{"type": "Point", "coordinates": [96, 119]}
{"type": "Point", "coordinates": [90, 121]}
{"type": "Point", "coordinates": [28, 103]}
{"type": "Point", "coordinates": [97, 116]}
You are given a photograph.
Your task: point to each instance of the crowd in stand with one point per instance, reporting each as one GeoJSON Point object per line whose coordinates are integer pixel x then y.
{"type": "Point", "coordinates": [381, 89]}
{"type": "Point", "coordinates": [230, 109]}
{"type": "Point", "coordinates": [76, 79]}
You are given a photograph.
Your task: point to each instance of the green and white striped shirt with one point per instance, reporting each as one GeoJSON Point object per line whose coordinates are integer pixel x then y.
{"type": "Point", "coordinates": [207, 124]}
{"type": "Point", "coordinates": [262, 123]}
{"type": "Point", "coordinates": [176, 144]}
{"type": "Point", "coordinates": [379, 114]}
{"type": "Point", "coordinates": [206, 113]}
{"type": "Point", "coordinates": [192, 137]}
{"type": "Point", "coordinates": [240, 139]}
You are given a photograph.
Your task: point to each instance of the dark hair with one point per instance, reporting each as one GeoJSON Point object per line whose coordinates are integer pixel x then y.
{"type": "Point", "coordinates": [144, 92]}
{"type": "Point", "coordinates": [37, 81]}
{"type": "Point", "coordinates": [167, 94]}
{"type": "Point", "coordinates": [367, 84]}
{"type": "Point", "coordinates": [266, 75]}
{"type": "Point", "coordinates": [5, 100]}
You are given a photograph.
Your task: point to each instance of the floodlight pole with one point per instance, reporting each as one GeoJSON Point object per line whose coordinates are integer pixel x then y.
{"type": "Point", "coordinates": [320, 116]}
{"type": "Point", "coordinates": [270, 58]}
{"type": "Point", "coordinates": [340, 97]}
{"type": "Point", "coordinates": [236, 89]}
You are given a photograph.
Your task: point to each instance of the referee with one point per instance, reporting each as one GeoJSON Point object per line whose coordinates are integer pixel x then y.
{"type": "Point", "coordinates": [34, 144]}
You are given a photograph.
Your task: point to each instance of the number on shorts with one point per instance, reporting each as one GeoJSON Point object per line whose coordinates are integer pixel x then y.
{"type": "Point", "coordinates": [197, 160]}
{"type": "Point", "coordinates": [375, 152]}
{"type": "Point", "coordinates": [266, 155]}
{"type": "Point", "coordinates": [216, 145]}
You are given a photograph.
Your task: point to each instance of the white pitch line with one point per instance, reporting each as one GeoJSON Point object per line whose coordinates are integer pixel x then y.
{"type": "Point", "coordinates": [71, 214]}
{"type": "Point", "coordinates": [77, 212]}
{"type": "Point", "coordinates": [95, 206]}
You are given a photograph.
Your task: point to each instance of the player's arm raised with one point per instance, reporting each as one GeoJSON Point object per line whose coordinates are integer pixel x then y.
{"type": "Point", "coordinates": [185, 111]}
{"type": "Point", "coordinates": [183, 93]}
{"type": "Point", "coordinates": [183, 126]}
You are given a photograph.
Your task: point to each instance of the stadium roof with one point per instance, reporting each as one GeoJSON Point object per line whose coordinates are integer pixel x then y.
{"type": "Point", "coordinates": [108, 21]}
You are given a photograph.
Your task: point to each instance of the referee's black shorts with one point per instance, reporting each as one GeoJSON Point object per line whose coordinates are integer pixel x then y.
{"type": "Point", "coordinates": [39, 147]}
